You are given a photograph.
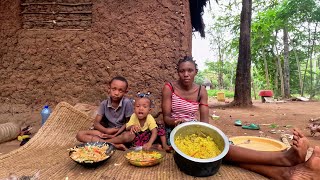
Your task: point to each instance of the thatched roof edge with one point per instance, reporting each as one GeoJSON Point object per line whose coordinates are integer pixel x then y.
{"type": "Point", "coordinates": [196, 12]}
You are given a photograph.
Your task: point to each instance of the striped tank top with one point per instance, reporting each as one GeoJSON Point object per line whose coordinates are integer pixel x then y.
{"type": "Point", "coordinates": [182, 108]}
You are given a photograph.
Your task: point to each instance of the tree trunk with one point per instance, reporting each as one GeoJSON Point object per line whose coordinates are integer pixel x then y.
{"type": "Point", "coordinates": [242, 95]}
{"type": "Point", "coordinates": [280, 73]}
{"type": "Point", "coordinates": [286, 68]}
{"type": "Point", "coordinates": [276, 79]}
{"type": "Point", "coordinates": [220, 66]}
{"type": "Point", "coordinates": [253, 85]}
{"type": "Point", "coordinates": [309, 51]}
{"type": "Point", "coordinates": [253, 89]}
{"type": "Point", "coordinates": [311, 62]}
{"type": "Point", "coordinates": [299, 70]}
{"type": "Point", "coordinates": [318, 78]}
{"type": "Point", "coordinates": [266, 69]}
{"type": "Point", "coordinates": [310, 59]}
{"type": "Point", "coordinates": [231, 79]}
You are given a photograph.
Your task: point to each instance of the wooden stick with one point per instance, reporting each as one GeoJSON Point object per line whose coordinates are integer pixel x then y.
{"type": "Point", "coordinates": [75, 12]}
{"type": "Point", "coordinates": [46, 29]}
{"type": "Point", "coordinates": [314, 119]}
{"type": "Point", "coordinates": [60, 20]}
{"type": "Point", "coordinates": [54, 3]}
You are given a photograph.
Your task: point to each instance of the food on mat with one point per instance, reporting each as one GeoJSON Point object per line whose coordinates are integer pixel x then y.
{"type": "Point", "coordinates": [89, 154]}
{"type": "Point", "coordinates": [197, 146]}
{"type": "Point", "coordinates": [144, 158]}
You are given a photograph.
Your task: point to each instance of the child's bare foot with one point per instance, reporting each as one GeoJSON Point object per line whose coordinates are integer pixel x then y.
{"type": "Point", "coordinates": [157, 146]}
{"type": "Point", "coordinates": [297, 153]}
{"type": "Point", "coordinates": [167, 148]}
{"type": "Point", "coordinates": [307, 170]}
{"type": "Point", "coordinates": [121, 147]}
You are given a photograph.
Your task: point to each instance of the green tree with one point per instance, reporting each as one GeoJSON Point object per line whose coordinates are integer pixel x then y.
{"type": "Point", "coordinates": [242, 94]}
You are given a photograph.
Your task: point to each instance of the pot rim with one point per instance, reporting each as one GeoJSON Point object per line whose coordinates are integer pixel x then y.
{"type": "Point", "coordinates": [220, 156]}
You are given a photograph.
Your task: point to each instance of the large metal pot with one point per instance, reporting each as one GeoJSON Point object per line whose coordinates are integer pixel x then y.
{"type": "Point", "coordinates": [195, 166]}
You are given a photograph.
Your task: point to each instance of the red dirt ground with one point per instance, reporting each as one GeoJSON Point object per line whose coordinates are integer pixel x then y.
{"type": "Point", "coordinates": [292, 113]}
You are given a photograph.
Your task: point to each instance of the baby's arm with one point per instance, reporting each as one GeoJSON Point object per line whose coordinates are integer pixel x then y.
{"type": "Point", "coordinates": [154, 133]}
{"type": "Point", "coordinates": [133, 129]}
{"type": "Point", "coordinates": [131, 126]}
{"type": "Point", "coordinates": [123, 127]}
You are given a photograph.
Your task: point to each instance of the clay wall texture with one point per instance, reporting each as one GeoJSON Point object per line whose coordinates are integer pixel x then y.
{"type": "Point", "coordinates": [141, 40]}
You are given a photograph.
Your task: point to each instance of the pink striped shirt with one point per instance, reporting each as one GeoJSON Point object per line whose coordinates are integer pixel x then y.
{"type": "Point", "coordinates": [182, 108]}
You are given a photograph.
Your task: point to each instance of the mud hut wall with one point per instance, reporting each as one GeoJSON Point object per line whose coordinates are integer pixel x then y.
{"type": "Point", "coordinates": [140, 40]}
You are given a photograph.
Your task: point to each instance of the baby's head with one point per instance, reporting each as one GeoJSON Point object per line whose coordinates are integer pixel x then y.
{"type": "Point", "coordinates": [142, 107]}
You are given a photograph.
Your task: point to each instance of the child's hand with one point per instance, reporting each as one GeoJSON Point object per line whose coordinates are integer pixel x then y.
{"type": "Point", "coordinates": [114, 130]}
{"type": "Point", "coordinates": [105, 136]}
{"type": "Point", "coordinates": [146, 146]}
{"type": "Point", "coordinates": [135, 129]}
{"type": "Point", "coordinates": [160, 121]}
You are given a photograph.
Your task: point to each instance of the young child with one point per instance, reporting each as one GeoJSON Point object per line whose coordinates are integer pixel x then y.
{"type": "Point", "coordinates": [161, 127]}
{"type": "Point", "coordinates": [141, 128]}
{"type": "Point", "coordinates": [142, 124]}
{"type": "Point", "coordinates": [112, 115]}
{"type": "Point", "coordinates": [162, 136]}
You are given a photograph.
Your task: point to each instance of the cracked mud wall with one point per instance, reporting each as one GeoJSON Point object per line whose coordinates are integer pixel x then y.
{"type": "Point", "coordinates": [140, 40]}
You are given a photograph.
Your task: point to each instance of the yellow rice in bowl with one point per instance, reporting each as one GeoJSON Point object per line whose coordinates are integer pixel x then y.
{"type": "Point", "coordinates": [197, 146]}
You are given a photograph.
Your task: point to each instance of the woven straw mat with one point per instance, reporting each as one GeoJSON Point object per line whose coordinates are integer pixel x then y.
{"type": "Point", "coordinates": [47, 152]}
{"type": "Point", "coordinates": [9, 131]}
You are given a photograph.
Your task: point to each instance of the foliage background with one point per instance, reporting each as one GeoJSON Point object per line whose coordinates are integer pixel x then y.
{"type": "Point", "coordinates": [270, 18]}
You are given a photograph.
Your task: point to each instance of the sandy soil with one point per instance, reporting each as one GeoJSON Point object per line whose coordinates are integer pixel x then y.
{"type": "Point", "coordinates": [286, 116]}
{"type": "Point", "coordinates": [283, 115]}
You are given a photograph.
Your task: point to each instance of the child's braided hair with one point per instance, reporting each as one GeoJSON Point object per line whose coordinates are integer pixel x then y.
{"type": "Point", "coordinates": [145, 95]}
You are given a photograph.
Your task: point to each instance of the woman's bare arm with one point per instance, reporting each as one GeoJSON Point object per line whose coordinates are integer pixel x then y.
{"type": "Point", "coordinates": [166, 106]}
{"type": "Point", "coordinates": [204, 109]}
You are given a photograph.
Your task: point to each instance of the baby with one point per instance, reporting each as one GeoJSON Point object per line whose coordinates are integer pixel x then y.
{"type": "Point", "coordinates": [141, 129]}
{"type": "Point", "coordinates": [142, 124]}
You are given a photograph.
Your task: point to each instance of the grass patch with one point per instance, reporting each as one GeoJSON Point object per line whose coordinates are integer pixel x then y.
{"type": "Point", "coordinates": [227, 94]}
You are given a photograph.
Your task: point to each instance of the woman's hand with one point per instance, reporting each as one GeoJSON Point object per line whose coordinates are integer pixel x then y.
{"type": "Point", "coordinates": [179, 121]}
{"type": "Point", "coordinates": [135, 129]}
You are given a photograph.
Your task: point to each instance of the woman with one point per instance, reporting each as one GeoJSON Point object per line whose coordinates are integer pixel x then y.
{"type": "Point", "coordinates": [182, 99]}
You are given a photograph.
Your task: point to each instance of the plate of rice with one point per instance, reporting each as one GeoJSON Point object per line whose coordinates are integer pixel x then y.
{"type": "Point", "coordinates": [144, 158]}
{"type": "Point", "coordinates": [198, 146]}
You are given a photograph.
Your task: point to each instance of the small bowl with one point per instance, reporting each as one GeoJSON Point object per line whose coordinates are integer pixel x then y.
{"type": "Point", "coordinates": [109, 152]}
{"type": "Point", "coordinates": [196, 166]}
{"type": "Point", "coordinates": [142, 162]}
{"type": "Point", "coordinates": [215, 117]}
